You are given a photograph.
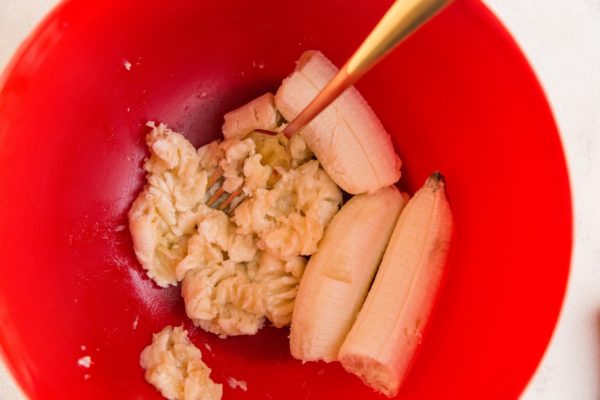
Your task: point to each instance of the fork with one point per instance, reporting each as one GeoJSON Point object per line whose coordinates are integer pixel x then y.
{"type": "Point", "coordinates": [402, 19]}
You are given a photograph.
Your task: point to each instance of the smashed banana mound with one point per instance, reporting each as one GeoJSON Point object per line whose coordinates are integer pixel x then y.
{"type": "Point", "coordinates": [236, 270]}
{"type": "Point", "coordinates": [174, 366]}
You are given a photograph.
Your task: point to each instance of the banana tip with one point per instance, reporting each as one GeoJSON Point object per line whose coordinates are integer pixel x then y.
{"type": "Point", "coordinates": [436, 180]}
{"type": "Point", "coordinates": [437, 175]}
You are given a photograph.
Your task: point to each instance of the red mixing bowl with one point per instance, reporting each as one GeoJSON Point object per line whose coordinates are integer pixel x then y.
{"type": "Point", "coordinates": [457, 96]}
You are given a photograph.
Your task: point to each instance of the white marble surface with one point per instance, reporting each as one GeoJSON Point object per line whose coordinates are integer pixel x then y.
{"type": "Point", "coordinates": [561, 38]}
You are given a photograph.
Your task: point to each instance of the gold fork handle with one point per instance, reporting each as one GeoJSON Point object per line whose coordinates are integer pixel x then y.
{"type": "Point", "coordinates": [403, 18]}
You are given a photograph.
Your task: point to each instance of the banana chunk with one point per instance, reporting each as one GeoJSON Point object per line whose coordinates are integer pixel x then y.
{"type": "Point", "coordinates": [382, 342]}
{"type": "Point", "coordinates": [260, 113]}
{"type": "Point", "coordinates": [338, 276]}
{"type": "Point", "coordinates": [174, 366]}
{"type": "Point", "coordinates": [347, 137]}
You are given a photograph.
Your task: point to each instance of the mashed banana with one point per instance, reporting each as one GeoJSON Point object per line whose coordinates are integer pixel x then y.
{"type": "Point", "coordinates": [162, 218]}
{"type": "Point", "coordinates": [236, 271]}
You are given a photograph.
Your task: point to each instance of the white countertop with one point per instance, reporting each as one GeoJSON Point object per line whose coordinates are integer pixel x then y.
{"type": "Point", "coordinates": [561, 38]}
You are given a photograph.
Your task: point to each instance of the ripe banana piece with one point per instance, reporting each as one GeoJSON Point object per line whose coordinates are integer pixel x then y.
{"type": "Point", "coordinates": [383, 340]}
{"type": "Point", "coordinates": [338, 275]}
{"type": "Point", "coordinates": [259, 113]}
{"type": "Point", "coordinates": [347, 137]}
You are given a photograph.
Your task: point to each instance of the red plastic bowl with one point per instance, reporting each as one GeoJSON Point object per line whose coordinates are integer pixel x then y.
{"type": "Point", "coordinates": [458, 96]}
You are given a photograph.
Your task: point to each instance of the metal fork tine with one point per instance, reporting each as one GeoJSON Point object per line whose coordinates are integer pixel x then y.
{"type": "Point", "coordinates": [215, 196]}
{"type": "Point", "coordinates": [214, 178]}
{"type": "Point", "coordinates": [215, 186]}
{"type": "Point", "coordinates": [229, 199]}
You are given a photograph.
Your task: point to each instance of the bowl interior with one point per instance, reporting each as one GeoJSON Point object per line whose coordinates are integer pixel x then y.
{"type": "Point", "coordinates": [457, 96]}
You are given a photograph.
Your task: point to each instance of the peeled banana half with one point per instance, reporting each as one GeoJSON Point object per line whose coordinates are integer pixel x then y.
{"type": "Point", "coordinates": [338, 276]}
{"type": "Point", "coordinates": [382, 343]}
